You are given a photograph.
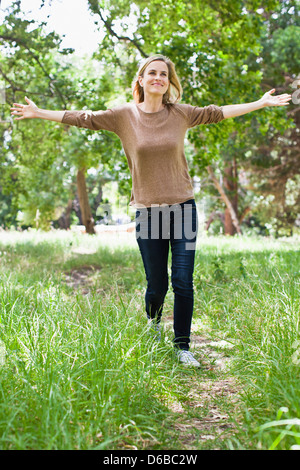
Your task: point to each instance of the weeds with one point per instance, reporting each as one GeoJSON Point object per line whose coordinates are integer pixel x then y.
{"type": "Point", "coordinates": [79, 371]}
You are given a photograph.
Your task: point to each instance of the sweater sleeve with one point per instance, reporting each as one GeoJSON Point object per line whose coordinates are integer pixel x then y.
{"type": "Point", "coordinates": [207, 115]}
{"type": "Point", "coordinates": [94, 120]}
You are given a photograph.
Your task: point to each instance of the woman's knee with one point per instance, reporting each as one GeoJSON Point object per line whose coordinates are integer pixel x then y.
{"type": "Point", "coordinates": [182, 282]}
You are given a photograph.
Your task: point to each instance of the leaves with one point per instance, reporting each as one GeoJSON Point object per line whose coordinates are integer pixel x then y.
{"type": "Point", "coordinates": [225, 53]}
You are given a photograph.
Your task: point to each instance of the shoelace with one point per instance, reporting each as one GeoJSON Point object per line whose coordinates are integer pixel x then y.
{"type": "Point", "coordinates": [189, 354]}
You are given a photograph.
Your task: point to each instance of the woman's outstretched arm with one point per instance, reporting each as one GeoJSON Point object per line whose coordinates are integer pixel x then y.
{"type": "Point", "coordinates": [31, 111]}
{"type": "Point", "coordinates": [94, 120]}
{"type": "Point", "coordinates": [267, 99]}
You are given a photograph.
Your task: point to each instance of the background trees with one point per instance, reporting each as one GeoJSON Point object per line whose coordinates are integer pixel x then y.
{"type": "Point", "coordinates": [44, 164]}
{"type": "Point", "coordinates": [224, 53]}
{"type": "Point", "coordinates": [275, 159]}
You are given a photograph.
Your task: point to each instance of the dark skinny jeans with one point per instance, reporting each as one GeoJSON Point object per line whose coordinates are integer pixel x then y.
{"type": "Point", "coordinates": [158, 228]}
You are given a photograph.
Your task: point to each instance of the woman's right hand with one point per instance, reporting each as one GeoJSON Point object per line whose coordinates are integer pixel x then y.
{"type": "Point", "coordinates": [24, 111]}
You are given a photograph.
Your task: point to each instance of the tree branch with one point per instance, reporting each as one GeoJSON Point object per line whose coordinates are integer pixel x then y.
{"type": "Point", "coordinates": [15, 87]}
{"type": "Point", "coordinates": [36, 58]}
{"type": "Point", "coordinates": [107, 23]}
{"type": "Point", "coordinates": [226, 200]}
{"type": "Point", "coordinates": [293, 111]}
{"type": "Point", "coordinates": [244, 213]}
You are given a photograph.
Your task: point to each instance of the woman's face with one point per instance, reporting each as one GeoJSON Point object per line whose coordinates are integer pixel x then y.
{"type": "Point", "coordinates": [155, 80]}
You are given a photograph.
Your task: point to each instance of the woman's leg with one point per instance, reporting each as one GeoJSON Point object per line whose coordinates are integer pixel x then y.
{"type": "Point", "coordinates": [183, 257]}
{"type": "Point", "coordinates": [154, 253]}
{"type": "Point", "coordinates": [155, 258]}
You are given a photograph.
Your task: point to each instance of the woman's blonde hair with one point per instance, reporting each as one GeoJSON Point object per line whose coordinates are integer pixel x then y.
{"type": "Point", "coordinates": [174, 92]}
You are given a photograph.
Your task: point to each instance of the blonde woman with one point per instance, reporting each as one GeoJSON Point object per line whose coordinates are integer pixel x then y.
{"type": "Point", "coordinates": [152, 131]}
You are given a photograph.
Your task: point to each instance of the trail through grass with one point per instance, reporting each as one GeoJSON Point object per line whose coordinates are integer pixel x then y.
{"type": "Point", "coordinates": [78, 369]}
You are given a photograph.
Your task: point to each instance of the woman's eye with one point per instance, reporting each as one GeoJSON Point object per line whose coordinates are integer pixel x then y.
{"type": "Point", "coordinates": [162, 74]}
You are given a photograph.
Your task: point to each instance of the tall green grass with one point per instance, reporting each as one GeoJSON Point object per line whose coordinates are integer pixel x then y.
{"type": "Point", "coordinates": [249, 289]}
{"type": "Point", "coordinates": [78, 369]}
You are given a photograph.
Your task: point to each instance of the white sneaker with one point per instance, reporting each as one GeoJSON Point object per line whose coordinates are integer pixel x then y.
{"type": "Point", "coordinates": [187, 358]}
{"type": "Point", "coordinates": [154, 329]}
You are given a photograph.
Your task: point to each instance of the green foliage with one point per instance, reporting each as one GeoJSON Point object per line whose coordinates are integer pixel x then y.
{"type": "Point", "coordinates": [225, 53]}
{"type": "Point", "coordinates": [40, 173]}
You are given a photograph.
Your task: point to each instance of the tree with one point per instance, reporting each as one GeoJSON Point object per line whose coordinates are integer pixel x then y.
{"type": "Point", "coordinates": [28, 65]}
{"type": "Point", "coordinates": [42, 174]}
{"type": "Point", "coordinates": [224, 53]}
{"type": "Point", "coordinates": [274, 169]}
{"type": "Point", "coordinates": [217, 49]}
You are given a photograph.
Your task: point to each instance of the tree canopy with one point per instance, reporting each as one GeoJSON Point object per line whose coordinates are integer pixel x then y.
{"type": "Point", "coordinates": [224, 52]}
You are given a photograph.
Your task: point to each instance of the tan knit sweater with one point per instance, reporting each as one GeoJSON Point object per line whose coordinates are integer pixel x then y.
{"type": "Point", "coordinates": [154, 146]}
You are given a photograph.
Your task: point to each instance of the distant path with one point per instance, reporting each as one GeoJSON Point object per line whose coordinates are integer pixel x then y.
{"type": "Point", "coordinates": [205, 415]}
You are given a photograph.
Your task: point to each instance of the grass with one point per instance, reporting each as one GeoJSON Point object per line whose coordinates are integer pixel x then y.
{"type": "Point", "coordinates": [78, 369]}
{"type": "Point", "coordinates": [251, 295]}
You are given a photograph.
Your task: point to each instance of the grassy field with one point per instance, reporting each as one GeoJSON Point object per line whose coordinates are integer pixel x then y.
{"type": "Point", "coordinates": [78, 369]}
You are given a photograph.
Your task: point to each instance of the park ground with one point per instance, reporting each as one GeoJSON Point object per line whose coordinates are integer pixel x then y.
{"type": "Point", "coordinates": [79, 370]}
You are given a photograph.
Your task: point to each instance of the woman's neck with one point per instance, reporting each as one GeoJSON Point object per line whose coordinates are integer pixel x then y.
{"type": "Point", "coordinates": [151, 105]}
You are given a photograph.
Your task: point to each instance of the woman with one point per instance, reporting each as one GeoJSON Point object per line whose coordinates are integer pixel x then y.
{"type": "Point", "coordinates": [152, 132]}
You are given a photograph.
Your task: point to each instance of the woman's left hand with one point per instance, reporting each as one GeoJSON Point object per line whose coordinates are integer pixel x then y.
{"type": "Point", "coordinates": [278, 100]}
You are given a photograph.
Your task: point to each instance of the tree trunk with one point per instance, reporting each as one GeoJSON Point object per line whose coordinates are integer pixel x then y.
{"type": "Point", "coordinates": [226, 200]}
{"type": "Point", "coordinates": [64, 221]}
{"type": "Point", "coordinates": [98, 198]}
{"type": "Point", "coordinates": [212, 217]}
{"type": "Point", "coordinates": [86, 214]}
{"type": "Point", "coordinates": [230, 185]}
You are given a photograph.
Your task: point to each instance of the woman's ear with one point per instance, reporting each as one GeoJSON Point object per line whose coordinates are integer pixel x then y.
{"type": "Point", "coordinates": [141, 80]}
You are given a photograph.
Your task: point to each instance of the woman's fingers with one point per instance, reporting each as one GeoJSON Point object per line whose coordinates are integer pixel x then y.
{"type": "Point", "coordinates": [24, 111]}
{"type": "Point", "coordinates": [18, 110]}
{"type": "Point", "coordinates": [276, 100]}
{"type": "Point", "coordinates": [285, 97]}
{"type": "Point", "coordinates": [17, 107]}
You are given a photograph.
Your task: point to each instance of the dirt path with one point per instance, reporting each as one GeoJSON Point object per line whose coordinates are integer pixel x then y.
{"type": "Point", "coordinates": [204, 419]}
